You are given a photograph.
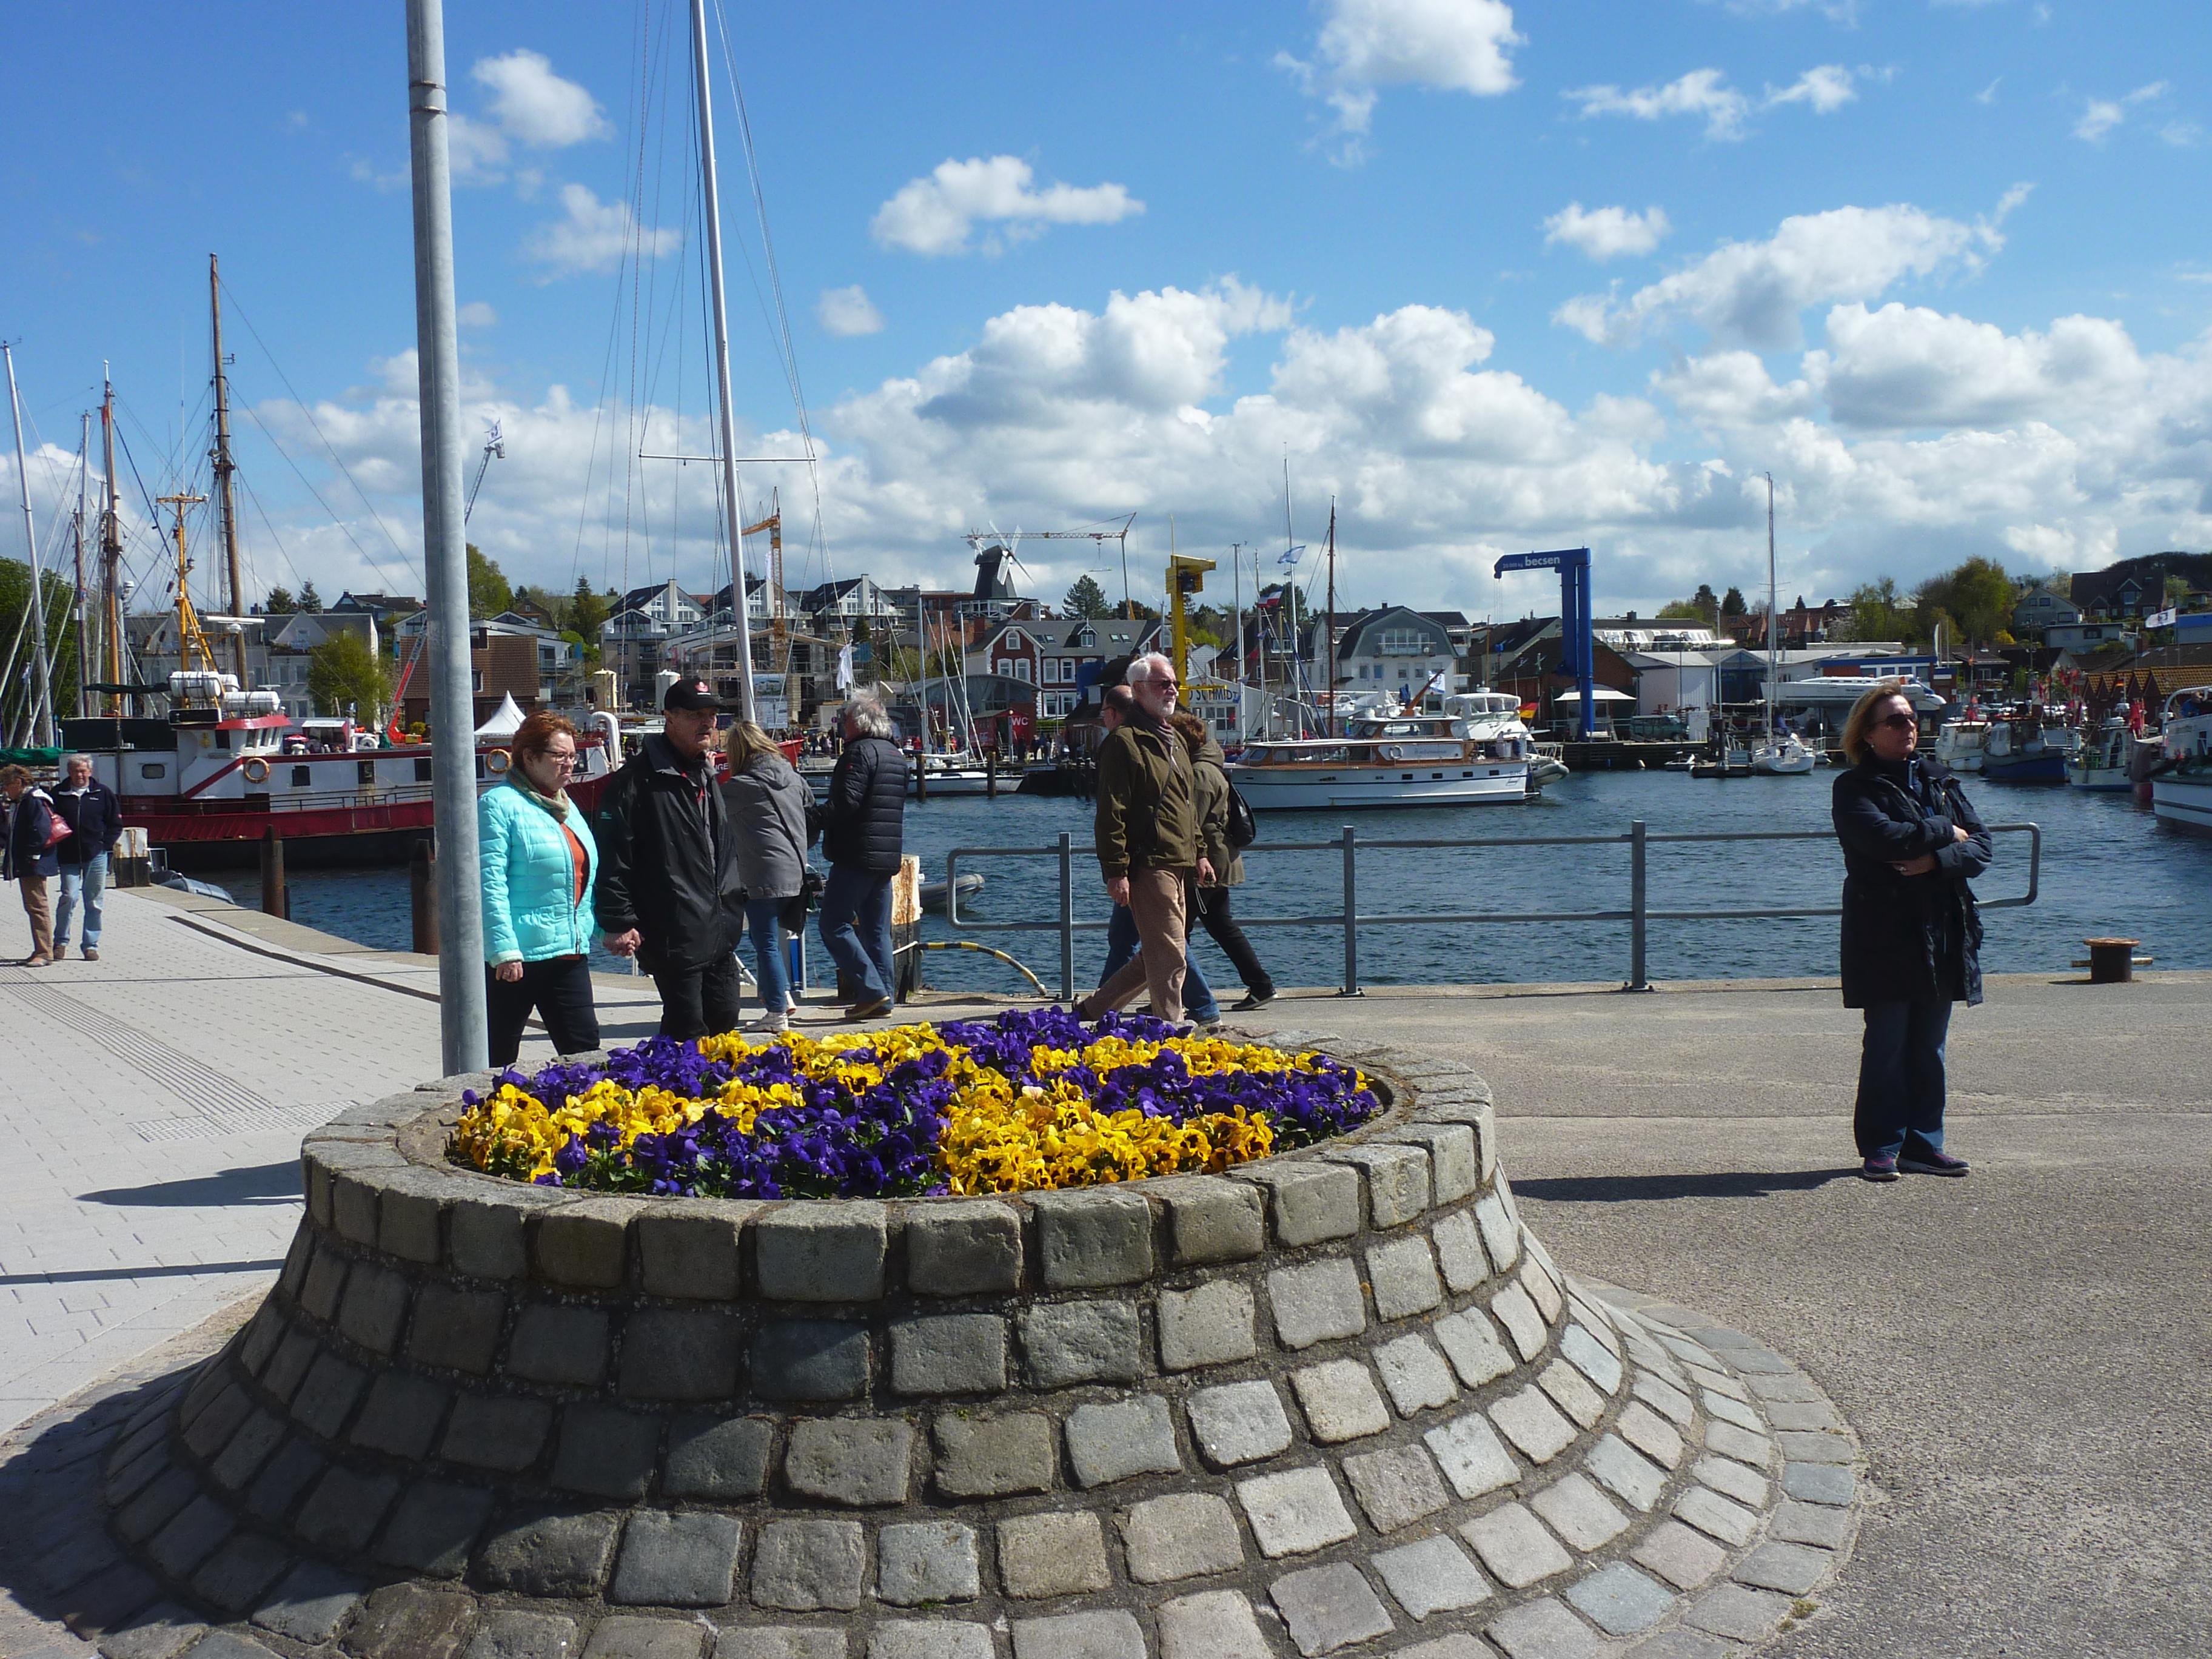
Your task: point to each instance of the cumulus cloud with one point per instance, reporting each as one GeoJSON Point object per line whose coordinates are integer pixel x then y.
{"type": "Point", "coordinates": [935, 215]}
{"type": "Point", "coordinates": [1751, 293]}
{"type": "Point", "coordinates": [477, 313]}
{"type": "Point", "coordinates": [1732, 389]}
{"type": "Point", "coordinates": [1706, 95]}
{"type": "Point", "coordinates": [1606, 232]}
{"type": "Point", "coordinates": [1908, 367]}
{"type": "Point", "coordinates": [534, 105]}
{"type": "Point", "coordinates": [592, 235]}
{"type": "Point", "coordinates": [1365, 46]}
{"type": "Point", "coordinates": [847, 311]}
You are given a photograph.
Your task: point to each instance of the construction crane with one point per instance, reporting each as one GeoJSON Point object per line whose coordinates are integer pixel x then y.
{"type": "Point", "coordinates": [976, 538]}
{"type": "Point", "coordinates": [773, 524]}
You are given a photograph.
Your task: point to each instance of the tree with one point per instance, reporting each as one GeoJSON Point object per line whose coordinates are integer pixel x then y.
{"type": "Point", "coordinates": [1086, 598]}
{"type": "Point", "coordinates": [488, 593]}
{"type": "Point", "coordinates": [587, 612]}
{"type": "Point", "coordinates": [343, 673]}
{"type": "Point", "coordinates": [280, 602]}
{"type": "Point", "coordinates": [1877, 612]}
{"type": "Point", "coordinates": [18, 695]}
{"type": "Point", "coordinates": [860, 632]}
{"type": "Point", "coordinates": [1732, 603]}
{"type": "Point", "coordinates": [309, 599]}
{"type": "Point", "coordinates": [1979, 595]}
{"type": "Point", "coordinates": [1685, 610]}
{"type": "Point", "coordinates": [2177, 590]}
{"type": "Point", "coordinates": [1706, 599]}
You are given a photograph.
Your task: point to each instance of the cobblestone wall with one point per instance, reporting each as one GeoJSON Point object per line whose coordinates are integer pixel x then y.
{"type": "Point", "coordinates": [1338, 1397]}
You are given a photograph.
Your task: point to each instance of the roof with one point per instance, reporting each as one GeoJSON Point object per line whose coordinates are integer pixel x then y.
{"type": "Point", "coordinates": [1373, 621]}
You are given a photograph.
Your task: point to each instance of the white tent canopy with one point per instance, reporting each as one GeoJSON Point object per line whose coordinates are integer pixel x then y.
{"type": "Point", "coordinates": [505, 722]}
{"type": "Point", "coordinates": [1600, 694]}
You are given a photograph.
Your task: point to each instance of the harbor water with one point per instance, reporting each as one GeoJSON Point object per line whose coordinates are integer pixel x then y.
{"type": "Point", "coordinates": [2109, 868]}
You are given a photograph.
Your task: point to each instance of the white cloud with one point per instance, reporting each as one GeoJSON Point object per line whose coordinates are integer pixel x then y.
{"type": "Point", "coordinates": [593, 235]}
{"type": "Point", "coordinates": [1908, 368]}
{"type": "Point", "coordinates": [534, 105]}
{"type": "Point", "coordinates": [477, 313]}
{"type": "Point", "coordinates": [1825, 89]}
{"type": "Point", "coordinates": [1365, 45]}
{"type": "Point", "coordinates": [935, 215]}
{"type": "Point", "coordinates": [1607, 232]}
{"type": "Point", "coordinates": [1706, 94]}
{"type": "Point", "coordinates": [2100, 115]}
{"type": "Point", "coordinates": [475, 151]}
{"type": "Point", "coordinates": [1751, 293]}
{"type": "Point", "coordinates": [1988, 95]}
{"type": "Point", "coordinates": [848, 311]}
{"type": "Point", "coordinates": [1728, 389]}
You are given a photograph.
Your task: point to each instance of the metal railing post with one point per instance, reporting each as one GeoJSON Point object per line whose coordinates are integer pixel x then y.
{"type": "Point", "coordinates": [1637, 981]}
{"type": "Point", "coordinates": [1067, 917]}
{"type": "Point", "coordinates": [1350, 914]}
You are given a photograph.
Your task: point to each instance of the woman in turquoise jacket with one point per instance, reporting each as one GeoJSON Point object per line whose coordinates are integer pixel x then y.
{"type": "Point", "coordinates": [539, 864]}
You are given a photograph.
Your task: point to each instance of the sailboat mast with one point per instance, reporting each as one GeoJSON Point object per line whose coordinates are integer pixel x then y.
{"type": "Point", "coordinates": [1772, 667]}
{"type": "Point", "coordinates": [42, 711]}
{"type": "Point", "coordinates": [1328, 721]}
{"type": "Point", "coordinates": [226, 503]}
{"type": "Point", "coordinates": [711, 209]}
{"type": "Point", "coordinates": [83, 485]}
{"type": "Point", "coordinates": [111, 553]}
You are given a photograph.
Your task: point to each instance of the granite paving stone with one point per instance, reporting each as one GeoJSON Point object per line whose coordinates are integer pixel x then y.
{"type": "Point", "coordinates": [1681, 1643]}
{"type": "Point", "coordinates": [1515, 1546]}
{"type": "Point", "coordinates": [821, 1253]}
{"type": "Point", "coordinates": [918, 1561]}
{"type": "Point", "coordinates": [1731, 1610]}
{"type": "Point", "coordinates": [498, 1433]}
{"type": "Point", "coordinates": [956, 1353]}
{"type": "Point", "coordinates": [341, 1514]}
{"type": "Point", "coordinates": [1683, 1557]}
{"type": "Point", "coordinates": [509, 1634]}
{"type": "Point", "coordinates": [1087, 1239]}
{"type": "Point", "coordinates": [456, 1329]}
{"type": "Point", "coordinates": [1651, 1434]}
{"type": "Point", "coordinates": [1183, 1535]}
{"type": "Point", "coordinates": [692, 1249]}
{"type": "Point", "coordinates": [676, 1560]}
{"type": "Point", "coordinates": [1403, 1276]}
{"type": "Point", "coordinates": [963, 1249]}
{"type": "Point", "coordinates": [1516, 1309]}
{"type": "Point", "coordinates": [716, 1458]}
{"type": "Point", "coordinates": [1709, 1512]}
{"type": "Point", "coordinates": [1499, 1237]}
{"type": "Point", "coordinates": [1663, 1397]}
{"type": "Point", "coordinates": [1570, 1391]}
{"type": "Point", "coordinates": [1459, 1252]}
{"type": "Point", "coordinates": [1471, 1342]}
{"type": "Point", "coordinates": [1325, 1609]}
{"type": "Point", "coordinates": [1115, 1635]}
{"type": "Point", "coordinates": [1316, 1301]}
{"type": "Point", "coordinates": [432, 1525]}
{"type": "Point", "coordinates": [1473, 1459]}
{"type": "Point", "coordinates": [240, 1572]}
{"type": "Point", "coordinates": [1810, 1523]}
{"type": "Point", "coordinates": [1431, 1577]}
{"type": "Point", "coordinates": [282, 1478]}
{"type": "Point", "coordinates": [1396, 1486]}
{"type": "Point", "coordinates": [1397, 1179]}
{"type": "Point", "coordinates": [1591, 1357]}
{"type": "Point", "coordinates": [1756, 1449]}
{"type": "Point", "coordinates": [802, 1566]}
{"type": "Point", "coordinates": [1417, 1376]}
{"type": "Point", "coordinates": [856, 1461]}
{"type": "Point", "coordinates": [1726, 1410]}
{"type": "Point", "coordinates": [1294, 1511]}
{"type": "Point", "coordinates": [1052, 1554]}
{"type": "Point", "coordinates": [1802, 1417]}
{"type": "Point", "coordinates": [548, 1551]}
{"type": "Point", "coordinates": [1308, 1203]}
{"type": "Point", "coordinates": [1211, 1325]}
{"type": "Point", "coordinates": [1533, 1423]}
{"type": "Point", "coordinates": [1209, 1219]}
{"type": "Point", "coordinates": [993, 1456]}
{"type": "Point", "coordinates": [310, 1604]}
{"type": "Point", "coordinates": [1122, 1440]}
{"type": "Point", "coordinates": [1579, 1512]}
{"type": "Point", "coordinates": [1730, 1479]}
{"type": "Point", "coordinates": [161, 1631]}
{"type": "Point", "coordinates": [553, 1343]}
{"type": "Point", "coordinates": [1213, 1625]}
{"type": "Point", "coordinates": [1625, 1473]}
{"type": "Point", "coordinates": [1340, 1400]}
{"type": "Point", "coordinates": [605, 1450]}
{"type": "Point", "coordinates": [402, 1415]}
{"type": "Point", "coordinates": [780, 1641]}
{"type": "Point", "coordinates": [411, 1621]}
{"type": "Point", "coordinates": [1819, 1483]}
{"type": "Point", "coordinates": [1238, 1423]}
{"type": "Point", "coordinates": [625, 1636]}
{"type": "Point", "coordinates": [1792, 1568]}
{"type": "Point", "coordinates": [809, 1359]}
{"type": "Point", "coordinates": [1800, 1446]}
{"type": "Point", "coordinates": [680, 1353]}
{"type": "Point", "coordinates": [1090, 1341]}
{"type": "Point", "coordinates": [1544, 1629]}
{"type": "Point", "coordinates": [1621, 1601]}
{"type": "Point", "coordinates": [916, 1638]}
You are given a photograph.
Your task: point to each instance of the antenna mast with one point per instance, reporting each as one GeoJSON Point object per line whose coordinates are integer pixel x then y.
{"type": "Point", "coordinates": [225, 502]}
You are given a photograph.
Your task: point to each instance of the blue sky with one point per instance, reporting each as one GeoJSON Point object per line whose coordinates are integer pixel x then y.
{"type": "Point", "coordinates": [1493, 276]}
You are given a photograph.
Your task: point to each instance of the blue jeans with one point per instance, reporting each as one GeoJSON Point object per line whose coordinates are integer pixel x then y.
{"type": "Point", "coordinates": [89, 878]}
{"type": "Point", "coordinates": [1900, 1103]}
{"type": "Point", "coordinates": [1198, 999]}
{"type": "Point", "coordinates": [856, 929]}
{"type": "Point", "coordinates": [772, 974]}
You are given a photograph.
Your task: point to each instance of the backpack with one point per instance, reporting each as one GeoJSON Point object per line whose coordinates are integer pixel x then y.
{"type": "Point", "coordinates": [1243, 829]}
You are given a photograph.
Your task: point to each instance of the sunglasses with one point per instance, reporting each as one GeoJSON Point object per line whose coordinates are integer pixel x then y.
{"type": "Point", "coordinates": [1899, 723]}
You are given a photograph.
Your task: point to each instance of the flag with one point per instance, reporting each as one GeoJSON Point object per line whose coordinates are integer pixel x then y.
{"type": "Point", "coordinates": [1289, 554]}
{"type": "Point", "coordinates": [845, 667]}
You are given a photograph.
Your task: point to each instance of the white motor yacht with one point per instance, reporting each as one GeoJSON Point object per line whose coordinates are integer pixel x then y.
{"type": "Point", "coordinates": [1473, 753]}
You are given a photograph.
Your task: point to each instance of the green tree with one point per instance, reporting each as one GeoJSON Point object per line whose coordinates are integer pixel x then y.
{"type": "Point", "coordinates": [309, 599]}
{"type": "Point", "coordinates": [17, 697]}
{"type": "Point", "coordinates": [1685, 610]}
{"type": "Point", "coordinates": [1086, 599]}
{"type": "Point", "coordinates": [1878, 612]}
{"type": "Point", "coordinates": [587, 612]}
{"type": "Point", "coordinates": [343, 673]}
{"type": "Point", "coordinates": [1978, 593]}
{"type": "Point", "coordinates": [2177, 590]}
{"type": "Point", "coordinates": [280, 602]}
{"type": "Point", "coordinates": [488, 593]}
{"type": "Point", "coordinates": [1732, 603]}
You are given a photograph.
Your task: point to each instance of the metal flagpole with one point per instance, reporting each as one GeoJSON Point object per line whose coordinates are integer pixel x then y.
{"type": "Point", "coordinates": [42, 711]}
{"type": "Point", "coordinates": [711, 210]}
{"type": "Point", "coordinates": [464, 1045]}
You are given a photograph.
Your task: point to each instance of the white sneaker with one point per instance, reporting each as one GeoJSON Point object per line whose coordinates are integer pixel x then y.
{"type": "Point", "coordinates": [771, 1024]}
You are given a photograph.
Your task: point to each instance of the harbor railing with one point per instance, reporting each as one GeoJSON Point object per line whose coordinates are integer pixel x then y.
{"type": "Point", "coordinates": [1637, 914]}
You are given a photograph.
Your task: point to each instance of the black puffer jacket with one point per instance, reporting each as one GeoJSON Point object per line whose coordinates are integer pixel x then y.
{"type": "Point", "coordinates": [1909, 938]}
{"type": "Point", "coordinates": [668, 861]}
{"type": "Point", "coordinates": [95, 815]}
{"type": "Point", "coordinates": [863, 823]}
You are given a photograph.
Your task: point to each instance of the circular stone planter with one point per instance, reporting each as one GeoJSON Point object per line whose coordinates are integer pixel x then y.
{"type": "Point", "coordinates": [1337, 1397]}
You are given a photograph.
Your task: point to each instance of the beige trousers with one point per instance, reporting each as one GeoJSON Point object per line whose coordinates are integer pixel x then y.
{"type": "Point", "coordinates": [41, 909]}
{"type": "Point", "coordinates": [1156, 905]}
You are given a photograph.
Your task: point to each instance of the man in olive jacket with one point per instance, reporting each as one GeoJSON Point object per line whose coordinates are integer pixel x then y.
{"type": "Point", "coordinates": [669, 892]}
{"type": "Point", "coordinates": [1146, 830]}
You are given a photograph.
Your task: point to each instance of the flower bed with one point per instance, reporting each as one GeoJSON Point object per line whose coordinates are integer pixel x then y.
{"type": "Point", "coordinates": [1027, 1100]}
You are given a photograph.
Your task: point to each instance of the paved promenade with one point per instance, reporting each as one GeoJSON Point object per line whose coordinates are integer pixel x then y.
{"type": "Point", "coordinates": [2025, 1353]}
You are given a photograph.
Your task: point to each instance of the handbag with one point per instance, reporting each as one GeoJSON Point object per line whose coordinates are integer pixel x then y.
{"type": "Point", "coordinates": [57, 827]}
{"type": "Point", "coordinates": [807, 898]}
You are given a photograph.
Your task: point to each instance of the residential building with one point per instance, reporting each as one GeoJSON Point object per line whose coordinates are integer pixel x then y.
{"type": "Point", "coordinates": [2042, 607]}
{"type": "Point", "coordinates": [1402, 653]}
{"type": "Point", "coordinates": [534, 665]}
{"type": "Point", "coordinates": [2134, 587]}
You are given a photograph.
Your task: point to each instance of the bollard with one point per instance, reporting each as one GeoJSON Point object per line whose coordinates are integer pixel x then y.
{"type": "Point", "coordinates": [921, 776]}
{"type": "Point", "coordinates": [275, 900]}
{"type": "Point", "coordinates": [990, 775]}
{"type": "Point", "coordinates": [2112, 961]}
{"type": "Point", "coordinates": [422, 898]}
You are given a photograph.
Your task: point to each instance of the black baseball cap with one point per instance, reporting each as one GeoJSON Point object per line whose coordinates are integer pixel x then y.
{"type": "Point", "coordinates": [691, 694]}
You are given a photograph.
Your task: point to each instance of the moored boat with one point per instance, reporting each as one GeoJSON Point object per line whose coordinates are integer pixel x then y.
{"type": "Point", "coordinates": [2112, 759]}
{"type": "Point", "coordinates": [1474, 753]}
{"type": "Point", "coordinates": [2181, 784]}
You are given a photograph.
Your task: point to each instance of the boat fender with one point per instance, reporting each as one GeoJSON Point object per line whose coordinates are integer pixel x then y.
{"type": "Point", "coordinates": [256, 769]}
{"type": "Point", "coordinates": [497, 761]}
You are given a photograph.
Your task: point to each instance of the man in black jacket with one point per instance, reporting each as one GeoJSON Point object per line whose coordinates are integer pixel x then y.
{"type": "Point", "coordinates": [95, 820]}
{"type": "Point", "coordinates": [862, 824]}
{"type": "Point", "coordinates": [668, 891]}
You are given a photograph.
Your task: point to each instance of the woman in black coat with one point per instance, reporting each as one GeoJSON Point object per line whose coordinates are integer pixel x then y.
{"type": "Point", "coordinates": [1911, 936]}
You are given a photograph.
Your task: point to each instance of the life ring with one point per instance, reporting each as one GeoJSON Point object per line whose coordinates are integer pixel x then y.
{"type": "Point", "coordinates": [1391, 751]}
{"type": "Point", "coordinates": [256, 769]}
{"type": "Point", "coordinates": [497, 761]}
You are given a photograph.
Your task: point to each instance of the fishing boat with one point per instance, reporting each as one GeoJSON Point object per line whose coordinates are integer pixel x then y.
{"type": "Point", "coordinates": [1785, 756]}
{"type": "Point", "coordinates": [2111, 760]}
{"type": "Point", "coordinates": [2007, 748]}
{"type": "Point", "coordinates": [1473, 753]}
{"type": "Point", "coordinates": [2181, 783]}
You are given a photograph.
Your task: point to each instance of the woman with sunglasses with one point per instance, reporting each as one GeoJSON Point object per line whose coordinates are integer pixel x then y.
{"type": "Point", "coordinates": [1911, 936]}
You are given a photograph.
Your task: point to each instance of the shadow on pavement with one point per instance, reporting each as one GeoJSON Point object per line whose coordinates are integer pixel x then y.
{"type": "Point", "coordinates": [263, 1183]}
{"type": "Point", "coordinates": [1656, 1189]}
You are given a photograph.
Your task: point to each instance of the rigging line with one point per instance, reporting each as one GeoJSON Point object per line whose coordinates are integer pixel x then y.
{"type": "Point", "coordinates": [282, 551]}
{"type": "Point", "coordinates": [370, 559]}
{"type": "Point", "coordinates": [406, 562]}
{"type": "Point", "coordinates": [634, 253]}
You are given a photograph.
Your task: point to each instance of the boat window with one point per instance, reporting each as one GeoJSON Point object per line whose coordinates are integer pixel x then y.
{"type": "Point", "coordinates": [153, 769]}
{"type": "Point", "coordinates": [223, 740]}
{"type": "Point", "coordinates": [301, 775]}
{"type": "Point", "coordinates": [421, 771]}
{"type": "Point", "coordinates": [367, 771]}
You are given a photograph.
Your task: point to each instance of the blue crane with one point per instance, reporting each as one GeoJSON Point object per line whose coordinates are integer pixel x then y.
{"type": "Point", "coordinates": [1578, 650]}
